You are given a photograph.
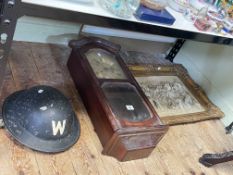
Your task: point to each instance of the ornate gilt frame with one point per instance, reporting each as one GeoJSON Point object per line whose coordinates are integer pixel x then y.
{"type": "Point", "coordinates": [211, 111]}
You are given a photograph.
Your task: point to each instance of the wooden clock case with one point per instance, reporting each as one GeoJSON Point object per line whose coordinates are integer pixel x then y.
{"type": "Point", "coordinates": [122, 138]}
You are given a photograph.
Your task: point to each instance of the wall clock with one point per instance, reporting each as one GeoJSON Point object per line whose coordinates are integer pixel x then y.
{"type": "Point", "coordinates": [124, 119]}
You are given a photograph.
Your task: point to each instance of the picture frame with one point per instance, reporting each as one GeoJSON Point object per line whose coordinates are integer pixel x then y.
{"type": "Point", "coordinates": [160, 77]}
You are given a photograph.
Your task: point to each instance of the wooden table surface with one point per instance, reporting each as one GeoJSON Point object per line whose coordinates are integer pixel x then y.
{"type": "Point", "coordinates": [177, 154]}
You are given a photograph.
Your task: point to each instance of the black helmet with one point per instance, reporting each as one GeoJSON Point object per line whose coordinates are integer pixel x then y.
{"type": "Point", "coordinates": [41, 118]}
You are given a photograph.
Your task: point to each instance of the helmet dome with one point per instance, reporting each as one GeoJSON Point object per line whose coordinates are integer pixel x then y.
{"type": "Point", "coordinates": [41, 118]}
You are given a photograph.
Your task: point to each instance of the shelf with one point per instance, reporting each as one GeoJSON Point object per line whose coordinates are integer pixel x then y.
{"type": "Point", "coordinates": [93, 14]}
{"type": "Point", "coordinates": [103, 31]}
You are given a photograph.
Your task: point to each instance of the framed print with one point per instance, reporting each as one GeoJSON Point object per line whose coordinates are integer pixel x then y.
{"type": "Point", "coordinates": [175, 96]}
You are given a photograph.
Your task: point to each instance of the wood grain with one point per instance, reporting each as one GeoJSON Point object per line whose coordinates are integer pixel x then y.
{"type": "Point", "coordinates": [177, 153]}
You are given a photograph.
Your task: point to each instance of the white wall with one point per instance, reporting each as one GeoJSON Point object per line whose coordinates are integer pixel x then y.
{"type": "Point", "coordinates": [211, 66]}
{"type": "Point", "coordinates": [52, 31]}
{"type": "Point", "coordinates": [45, 30]}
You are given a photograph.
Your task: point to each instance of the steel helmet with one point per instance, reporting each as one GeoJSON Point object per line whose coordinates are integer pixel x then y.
{"type": "Point", "coordinates": [41, 118]}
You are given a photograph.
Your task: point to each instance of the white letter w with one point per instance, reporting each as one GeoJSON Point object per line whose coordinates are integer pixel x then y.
{"type": "Point", "coordinates": [59, 127]}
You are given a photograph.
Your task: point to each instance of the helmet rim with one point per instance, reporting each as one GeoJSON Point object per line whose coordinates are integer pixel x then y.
{"type": "Point", "coordinates": [27, 139]}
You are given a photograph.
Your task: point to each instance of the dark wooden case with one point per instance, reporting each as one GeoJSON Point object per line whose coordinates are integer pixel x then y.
{"type": "Point", "coordinates": [127, 132]}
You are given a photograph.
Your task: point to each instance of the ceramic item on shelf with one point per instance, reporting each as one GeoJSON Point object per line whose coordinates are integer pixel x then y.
{"type": "Point", "coordinates": [215, 16]}
{"type": "Point", "coordinates": [216, 20]}
{"type": "Point", "coordinates": [202, 24]}
{"type": "Point", "coordinates": [154, 4]}
{"type": "Point", "coordinates": [202, 21]}
{"type": "Point", "coordinates": [194, 9]}
{"type": "Point", "coordinates": [228, 26]}
{"type": "Point", "coordinates": [178, 5]}
{"type": "Point", "coordinates": [121, 8]}
{"type": "Point", "coordinates": [226, 6]}
{"type": "Point", "coordinates": [144, 13]}
{"type": "Point", "coordinates": [216, 26]}
{"type": "Point", "coordinates": [189, 15]}
{"type": "Point", "coordinates": [192, 14]}
{"type": "Point", "coordinates": [197, 4]}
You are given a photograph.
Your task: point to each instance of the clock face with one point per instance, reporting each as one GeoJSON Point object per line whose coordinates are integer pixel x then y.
{"type": "Point", "coordinates": [104, 64]}
{"type": "Point", "coordinates": [125, 102]}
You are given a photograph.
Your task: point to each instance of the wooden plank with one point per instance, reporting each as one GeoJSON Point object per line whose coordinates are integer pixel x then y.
{"type": "Point", "coordinates": [16, 159]}
{"type": "Point", "coordinates": [24, 70]}
{"type": "Point", "coordinates": [8, 85]}
{"type": "Point", "coordinates": [188, 149]}
{"type": "Point", "coordinates": [3, 63]}
{"type": "Point", "coordinates": [50, 72]}
{"type": "Point", "coordinates": [6, 154]}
